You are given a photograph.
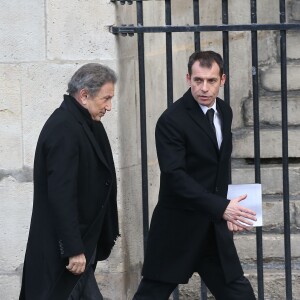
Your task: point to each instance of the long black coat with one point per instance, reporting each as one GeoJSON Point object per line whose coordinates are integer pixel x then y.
{"type": "Point", "coordinates": [192, 198]}
{"type": "Point", "coordinates": [74, 206]}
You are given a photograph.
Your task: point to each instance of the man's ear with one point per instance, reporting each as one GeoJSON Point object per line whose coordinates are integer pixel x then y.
{"type": "Point", "coordinates": [188, 79]}
{"type": "Point", "coordinates": [83, 95]}
{"type": "Point", "coordinates": [223, 79]}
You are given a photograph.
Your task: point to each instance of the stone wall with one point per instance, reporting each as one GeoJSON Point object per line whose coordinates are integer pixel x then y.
{"type": "Point", "coordinates": [42, 44]}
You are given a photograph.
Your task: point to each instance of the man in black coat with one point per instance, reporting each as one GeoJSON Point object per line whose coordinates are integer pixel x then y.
{"type": "Point", "coordinates": [74, 220]}
{"type": "Point", "coordinates": [192, 224]}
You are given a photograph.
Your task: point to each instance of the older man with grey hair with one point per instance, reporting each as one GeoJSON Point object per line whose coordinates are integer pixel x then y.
{"type": "Point", "coordinates": [74, 220]}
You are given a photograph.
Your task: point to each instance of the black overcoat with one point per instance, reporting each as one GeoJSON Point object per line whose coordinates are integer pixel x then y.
{"type": "Point", "coordinates": [74, 207]}
{"type": "Point", "coordinates": [192, 198]}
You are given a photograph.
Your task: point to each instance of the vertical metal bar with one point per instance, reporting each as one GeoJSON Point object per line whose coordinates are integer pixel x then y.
{"type": "Point", "coordinates": [143, 131]}
{"type": "Point", "coordinates": [285, 156]}
{"type": "Point", "coordinates": [256, 128]}
{"type": "Point", "coordinates": [225, 35]}
{"type": "Point", "coordinates": [226, 61]}
{"type": "Point", "coordinates": [196, 22]}
{"type": "Point", "coordinates": [169, 55]}
{"type": "Point", "coordinates": [203, 291]}
{"type": "Point", "coordinates": [169, 59]}
{"type": "Point", "coordinates": [175, 294]}
{"type": "Point", "coordinates": [196, 10]}
{"type": "Point", "coordinates": [226, 51]}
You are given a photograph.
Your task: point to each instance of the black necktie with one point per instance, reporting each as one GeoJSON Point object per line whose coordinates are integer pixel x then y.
{"type": "Point", "coordinates": [210, 116]}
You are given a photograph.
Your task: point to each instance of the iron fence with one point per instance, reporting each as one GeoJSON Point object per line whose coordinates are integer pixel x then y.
{"type": "Point", "coordinates": [140, 30]}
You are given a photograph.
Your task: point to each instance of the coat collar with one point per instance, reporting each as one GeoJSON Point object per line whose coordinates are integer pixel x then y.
{"type": "Point", "coordinates": [199, 118]}
{"type": "Point", "coordinates": [70, 105]}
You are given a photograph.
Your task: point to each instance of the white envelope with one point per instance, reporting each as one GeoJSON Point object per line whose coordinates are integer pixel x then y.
{"type": "Point", "coordinates": [253, 200]}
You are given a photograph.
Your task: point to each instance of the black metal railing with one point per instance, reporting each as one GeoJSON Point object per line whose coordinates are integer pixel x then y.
{"type": "Point", "coordinates": [142, 85]}
{"type": "Point", "coordinates": [225, 28]}
{"type": "Point", "coordinates": [256, 129]}
{"type": "Point", "coordinates": [285, 155]}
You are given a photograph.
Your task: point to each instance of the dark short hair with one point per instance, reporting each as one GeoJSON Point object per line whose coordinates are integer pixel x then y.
{"type": "Point", "coordinates": [206, 59]}
{"type": "Point", "coordinates": [91, 77]}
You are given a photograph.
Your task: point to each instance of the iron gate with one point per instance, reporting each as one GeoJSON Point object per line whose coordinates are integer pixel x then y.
{"type": "Point", "coordinates": [225, 28]}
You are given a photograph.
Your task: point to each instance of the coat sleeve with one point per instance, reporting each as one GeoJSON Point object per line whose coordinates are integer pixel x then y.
{"type": "Point", "coordinates": [171, 152]}
{"type": "Point", "coordinates": [62, 160]}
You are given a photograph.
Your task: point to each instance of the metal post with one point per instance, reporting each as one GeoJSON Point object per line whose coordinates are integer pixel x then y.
{"type": "Point", "coordinates": [226, 51]}
{"type": "Point", "coordinates": [169, 54]}
{"type": "Point", "coordinates": [144, 162]}
{"type": "Point", "coordinates": [285, 156]}
{"type": "Point", "coordinates": [256, 127]}
{"type": "Point", "coordinates": [196, 22]}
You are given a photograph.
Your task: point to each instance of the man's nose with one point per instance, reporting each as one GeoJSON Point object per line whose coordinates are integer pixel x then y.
{"type": "Point", "coordinates": [108, 106]}
{"type": "Point", "coordinates": [204, 87]}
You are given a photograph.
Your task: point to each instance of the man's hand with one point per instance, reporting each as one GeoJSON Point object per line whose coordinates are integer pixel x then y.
{"type": "Point", "coordinates": [236, 228]}
{"type": "Point", "coordinates": [77, 264]}
{"type": "Point", "coordinates": [235, 214]}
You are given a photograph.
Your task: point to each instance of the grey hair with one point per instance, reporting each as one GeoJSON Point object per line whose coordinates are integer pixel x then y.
{"type": "Point", "coordinates": [91, 77]}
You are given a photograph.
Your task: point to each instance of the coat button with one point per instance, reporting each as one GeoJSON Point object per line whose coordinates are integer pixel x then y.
{"type": "Point", "coordinates": [107, 183]}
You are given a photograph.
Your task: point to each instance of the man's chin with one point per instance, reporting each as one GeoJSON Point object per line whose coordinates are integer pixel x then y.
{"type": "Point", "coordinates": [97, 119]}
{"type": "Point", "coordinates": [204, 99]}
{"type": "Point", "coordinates": [204, 102]}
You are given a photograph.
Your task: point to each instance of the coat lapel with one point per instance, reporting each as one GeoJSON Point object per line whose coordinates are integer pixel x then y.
{"type": "Point", "coordinates": [226, 123]}
{"type": "Point", "coordinates": [94, 143]}
{"type": "Point", "coordinates": [199, 117]}
{"type": "Point", "coordinates": [67, 104]}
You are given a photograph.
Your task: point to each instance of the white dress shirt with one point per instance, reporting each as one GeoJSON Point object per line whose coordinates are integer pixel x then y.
{"type": "Point", "coordinates": [217, 121]}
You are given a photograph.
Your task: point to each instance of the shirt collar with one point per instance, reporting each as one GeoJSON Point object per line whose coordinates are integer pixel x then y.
{"type": "Point", "coordinates": [205, 108]}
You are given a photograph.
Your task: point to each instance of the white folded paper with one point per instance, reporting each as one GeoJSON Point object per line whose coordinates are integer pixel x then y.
{"type": "Point", "coordinates": [253, 200]}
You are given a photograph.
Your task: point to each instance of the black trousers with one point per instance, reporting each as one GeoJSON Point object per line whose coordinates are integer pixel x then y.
{"type": "Point", "coordinates": [211, 273]}
{"type": "Point", "coordinates": [87, 287]}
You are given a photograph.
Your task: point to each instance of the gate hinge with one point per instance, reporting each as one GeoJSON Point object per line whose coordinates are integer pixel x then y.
{"type": "Point", "coordinates": [124, 29]}
{"type": "Point", "coordinates": [122, 2]}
